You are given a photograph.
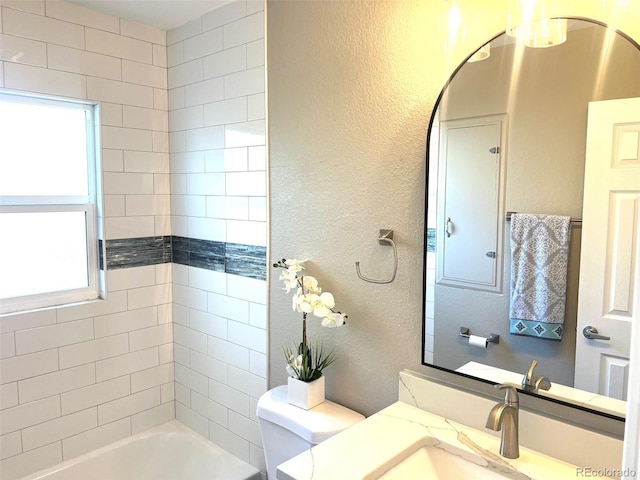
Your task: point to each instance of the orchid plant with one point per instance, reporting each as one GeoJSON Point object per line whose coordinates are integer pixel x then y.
{"type": "Point", "coordinates": [306, 363]}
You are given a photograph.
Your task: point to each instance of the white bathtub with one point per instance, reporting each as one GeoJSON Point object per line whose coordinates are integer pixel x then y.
{"type": "Point", "coordinates": [168, 452]}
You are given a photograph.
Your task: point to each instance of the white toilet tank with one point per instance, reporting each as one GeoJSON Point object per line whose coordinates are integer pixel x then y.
{"type": "Point", "coordinates": [288, 430]}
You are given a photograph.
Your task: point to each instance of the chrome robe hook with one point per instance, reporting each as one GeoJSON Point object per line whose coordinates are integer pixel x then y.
{"type": "Point", "coordinates": [386, 237]}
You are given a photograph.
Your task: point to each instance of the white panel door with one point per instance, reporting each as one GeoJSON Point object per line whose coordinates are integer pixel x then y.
{"type": "Point", "coordinates": [470, 195]}
{"type": "Point", "coordinates": [609, 296]}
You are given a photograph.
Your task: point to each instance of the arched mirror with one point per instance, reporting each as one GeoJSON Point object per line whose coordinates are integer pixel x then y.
{"type": "Point", "coordinates": [513, 133]}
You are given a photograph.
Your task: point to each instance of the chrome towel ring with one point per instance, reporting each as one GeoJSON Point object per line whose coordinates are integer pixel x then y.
{"type": "Point", "coordinates": [385, 238]}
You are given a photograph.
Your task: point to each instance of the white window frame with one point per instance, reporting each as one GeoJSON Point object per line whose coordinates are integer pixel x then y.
{"type": "Point", "coordinates": [87, 204]}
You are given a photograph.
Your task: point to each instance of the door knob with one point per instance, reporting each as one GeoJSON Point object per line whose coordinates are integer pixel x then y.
{"type": "Point", "coordinates": [592, 333]}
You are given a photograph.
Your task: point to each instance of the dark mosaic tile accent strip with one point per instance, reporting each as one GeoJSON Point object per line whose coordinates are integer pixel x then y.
{"type": "Point", "coordinates": [244, 260]}
{"type": "Point", "coordinates": [199, 253]}
{"type": "Point", "coordinates": [431, 239]}
{"type": "Point", "coordinates": [138, 252]}
{"type": "Point", "coordinates": [100, 254]}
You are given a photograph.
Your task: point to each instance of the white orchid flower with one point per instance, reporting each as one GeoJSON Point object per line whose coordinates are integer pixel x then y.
{"type": "Point", "coordinates": [323, 305]}
{"type": "Point", "coordinates": [289, 282]}
{"type": "Point", "coordinates": [311, 284]}
{"type": "Point", "coordinates": [319, 305]}
{"type": "Point", "coordinates": [304, 303]}
{"type": "Point", "coordinates": [287, 275]}
{"type": "Point", "coordinates": [293, 283]}
{"type": "Point", "coordinates": [308, 303]}
{"type": "Point", "coordinates": [328, 300]}
{"type": "Point", "coordinates": [294, 265]}
{"type": "Point", "coordinates": [333, 320]}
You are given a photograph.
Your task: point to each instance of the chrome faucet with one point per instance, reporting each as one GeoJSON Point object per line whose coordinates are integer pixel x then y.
{"type": "Point", "coordinates": [533, 384]}
{"type": "Point", "coordinates": [504, 416]}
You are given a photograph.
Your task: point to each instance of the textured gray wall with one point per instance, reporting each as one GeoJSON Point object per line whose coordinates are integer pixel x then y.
{"type": "Point", "coordinates": [351, 85]}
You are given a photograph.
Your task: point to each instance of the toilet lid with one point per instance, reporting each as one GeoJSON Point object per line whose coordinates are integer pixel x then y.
{"type": "Point", "coordinates": [314, 425]}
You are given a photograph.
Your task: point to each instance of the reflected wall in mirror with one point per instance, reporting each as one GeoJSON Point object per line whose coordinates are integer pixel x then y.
{"type": "Point", "coordinates": [509, 134]}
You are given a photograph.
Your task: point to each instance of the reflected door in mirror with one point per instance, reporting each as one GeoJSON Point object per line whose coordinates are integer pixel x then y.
{"type": "Point", "coordinates": [610, 262]}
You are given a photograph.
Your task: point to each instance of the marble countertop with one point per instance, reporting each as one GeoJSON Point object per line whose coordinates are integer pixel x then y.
{"type": "Point", "coordinates": [371, 447]}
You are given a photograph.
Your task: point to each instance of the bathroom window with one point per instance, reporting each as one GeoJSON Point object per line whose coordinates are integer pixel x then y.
{"type": "Point", "coordinates": [48, 191]}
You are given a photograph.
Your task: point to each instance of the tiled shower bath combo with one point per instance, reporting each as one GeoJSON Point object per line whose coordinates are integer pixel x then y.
{"type": "Point", "coordinates": [182, 332]}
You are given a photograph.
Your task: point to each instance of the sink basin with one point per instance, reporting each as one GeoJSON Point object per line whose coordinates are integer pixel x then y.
{"type": "Point", "coordinates": [441, 461]}
{"type": "Point", "coordinates": [403, 442]}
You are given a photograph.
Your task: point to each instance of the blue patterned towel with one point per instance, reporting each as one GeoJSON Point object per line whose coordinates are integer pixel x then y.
{"type": "Point", "coordinates": [539, 258]}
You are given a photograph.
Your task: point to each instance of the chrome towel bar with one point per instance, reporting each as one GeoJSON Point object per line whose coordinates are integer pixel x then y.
{"type": "Point", "coordinates": [573, 220]}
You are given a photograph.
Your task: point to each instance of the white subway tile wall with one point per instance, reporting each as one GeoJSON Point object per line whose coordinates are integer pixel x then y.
{"type": "Point", "coordinates": [81, 377]}
{"type": "Point", "coordinates": [183, 137]}
{"type": "Point", "coordinates": [217, 123]}
{"type": "Point", "coordinates": [75, 378]}
{"type": "Point", "coordinates": [218, 187]}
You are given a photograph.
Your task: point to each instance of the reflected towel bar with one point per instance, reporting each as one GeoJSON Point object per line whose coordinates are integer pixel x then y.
{"type": "Point", "coordinates": [575, 221]}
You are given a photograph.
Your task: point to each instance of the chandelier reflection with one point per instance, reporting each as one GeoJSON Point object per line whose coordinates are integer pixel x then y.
{"type": "Point", "coordinates": [529, 21]}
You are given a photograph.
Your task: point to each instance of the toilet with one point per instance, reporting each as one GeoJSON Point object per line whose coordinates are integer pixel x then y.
{"type": "Point", "coordinates": [288, 430]}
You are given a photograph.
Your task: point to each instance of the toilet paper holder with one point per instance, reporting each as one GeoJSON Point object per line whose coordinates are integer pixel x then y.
{"type": "Point", "coordinates": [492, 338]}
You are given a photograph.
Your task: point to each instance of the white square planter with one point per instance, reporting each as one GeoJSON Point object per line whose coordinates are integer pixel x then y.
{"type": "Point", "coordinates": [305, 394]}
